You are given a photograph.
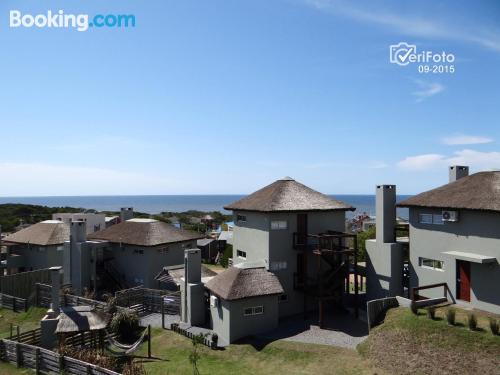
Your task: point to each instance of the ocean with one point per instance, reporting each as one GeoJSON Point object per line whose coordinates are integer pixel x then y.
{"type": "Point", "coordinates": [177, 203]}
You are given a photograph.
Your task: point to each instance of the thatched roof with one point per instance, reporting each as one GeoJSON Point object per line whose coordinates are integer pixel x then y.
{"type": "Point", "coordinates": [287, 195]}
{"type": "Point", "coordinates": [80, 319]}
{"type": "Point", "coordinates": [144, 232]}
{"type": "Point", "coordinates": [175, 274]}
{"type": "Point", "coordinates": [237, 283]}
{"type": "Point", "coordinates": [480, 191]}
{"type": "Point", "coordinates": [44, 233]}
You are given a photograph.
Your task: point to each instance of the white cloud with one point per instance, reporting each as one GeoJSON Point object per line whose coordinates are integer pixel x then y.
{"type": "Point", "coordinates": [420, 162]}
{"type": "Point", "coordinates": [38, 179]}
{"type": "Point", "coordinates": [427, 89]}
{"type": "Point", "coordinates": [477, 160]}
{"type": "Point", "coordinates": [411, 25]}
{"type": "Point", "coordinates": [466, 140]}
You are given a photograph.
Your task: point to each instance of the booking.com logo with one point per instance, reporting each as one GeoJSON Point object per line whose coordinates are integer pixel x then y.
{"type": "Point", "coordinates": [80, 22]}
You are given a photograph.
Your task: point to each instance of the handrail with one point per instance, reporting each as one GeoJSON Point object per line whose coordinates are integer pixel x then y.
{"type": "Point", "coordinates": [414, 291]}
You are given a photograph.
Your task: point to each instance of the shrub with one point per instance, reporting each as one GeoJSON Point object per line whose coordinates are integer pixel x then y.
{"type": "Point", "coordinates": [472, 322]}
{"type": "Point", "coordinates": [431, 312]}
{"type": "Point", "coordinates": [494, 326]}
{"type": "Point", "coordinates": [134, 368]}
{"type": "Point", "coordinates": [450, 316]}
{"type": "Point", "coordinates": [125, 324]}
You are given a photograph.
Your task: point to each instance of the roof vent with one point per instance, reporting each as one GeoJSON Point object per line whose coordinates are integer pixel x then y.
{"type": "Point", "coordinates": [286, 178]}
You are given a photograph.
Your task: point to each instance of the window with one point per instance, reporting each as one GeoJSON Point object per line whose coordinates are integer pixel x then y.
{"type": "Point", "coordinates": [432, 264]}
{"type": "Point", "coordinates": [241, 218]}
{"type": "Point", "coordinates": [430, 219]}
{"type": "Point", "coordinates": [138, 251]}
{"type": "Point", "coordinates": [241, 254]}
{"type": "Point", "coordinates": [257, 310]}
{"type": "Point", "coordinates": [163, 250]}
{"type": "Point", "coordinates": [60, 248]}
{"type": "Point", "coordinates": [278, 266]}
{"type": "Point", "coordinates": [283, 298]}
{"type": "Point", "coordinates": [278, 224]}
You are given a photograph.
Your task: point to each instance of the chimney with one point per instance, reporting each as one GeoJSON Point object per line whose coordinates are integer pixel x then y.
{"type": "Point", "coordinates": [192, 265]}
{"type": "Point", "coordinates": [78, 231]}
{"type": "Point", "coordinates": [56, 285]}
{"type": "Point", "coordinates": [126, 213]}
{"type": "Point", "coordinates": [456, 172]}
{"type": "Point", "coordinates": [385, 210]}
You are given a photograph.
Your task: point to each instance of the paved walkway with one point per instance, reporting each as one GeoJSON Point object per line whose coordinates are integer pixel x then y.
{"type": "Point", "coordinates": [341, 329]}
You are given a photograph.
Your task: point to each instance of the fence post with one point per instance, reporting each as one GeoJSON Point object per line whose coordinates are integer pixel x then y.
{"type": "Point", "coordinates": [162, 314]}
{"type": "Point", "coordinates": [25, 305]}
{"type": "Point", "coordinates": [14, 304]}
{"type": "Point", "coordinates": [149, 340]}
{"type": "Point", "coordinates": [18, 355]}
{"type": "Point", "coordinates": [61, 363]}
{"type": "Point", "coordinates": [18, 333]}
{"type": "Point", "coordinates": [37, 361]}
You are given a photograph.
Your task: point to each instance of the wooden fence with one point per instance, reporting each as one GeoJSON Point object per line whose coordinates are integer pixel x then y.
{"type": "Point", "coordinates": [32, 337]}
{"type": "Point", "coordinates": [145, 301]}
{"type": "Point", "coordinates": [23, 284]}
{"type": "Point", "coordinates": [13, 303]}
{"type": "Point", "coordinates": [210, 342]}
{"type": "Point", "coordinates": [44, 361]}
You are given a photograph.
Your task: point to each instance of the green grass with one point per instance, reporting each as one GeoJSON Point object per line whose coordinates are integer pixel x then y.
{"type": "Point", "coordinates": [408, 344]}
{"type": "Point", "coordinates": [26, 320]}
{"type": "Point", "coordinates": [8, 369]}
{"type": "Point", "coordinates": [253, 357]}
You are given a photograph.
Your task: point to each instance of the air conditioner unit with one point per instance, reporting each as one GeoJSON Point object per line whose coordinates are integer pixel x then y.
{"type": "Point", "coordinates": [450, 216]}
{"type": "Point", "coordinates": [214, 301]}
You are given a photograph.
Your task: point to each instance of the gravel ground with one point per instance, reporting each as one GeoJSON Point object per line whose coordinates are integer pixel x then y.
{"type": "Point", "coordinates": [341, 329]}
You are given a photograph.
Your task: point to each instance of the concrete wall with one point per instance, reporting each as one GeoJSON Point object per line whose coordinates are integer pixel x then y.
{"type": "Point", "coordinates": [275, 247]}
{"type": "Point", "coordinates": [140, 265]}
{"type": "Point", "coordinates": [95, 222]}
{"type": "Point", "coordinates": [384, 269]}
{"type": "Point", "coordinates": [475, 232]}
{"type": "Point", "coordinates": [230, 323]}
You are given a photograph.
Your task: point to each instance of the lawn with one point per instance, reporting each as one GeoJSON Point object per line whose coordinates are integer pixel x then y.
{"type": "Point", "coordinates": [410, 344]}
{"type": "Point", "coordinates": [26, 320]}
{"type": "Point", "coordinates": [8, 369]}
{"type": "Point", "coordinates": [252, 357]}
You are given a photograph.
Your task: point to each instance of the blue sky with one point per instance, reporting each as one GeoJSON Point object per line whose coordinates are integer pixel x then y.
{"type": "Point", "coordinates": [227, 96]}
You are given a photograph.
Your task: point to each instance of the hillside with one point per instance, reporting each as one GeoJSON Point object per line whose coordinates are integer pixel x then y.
{"type": "Point", "coordinates": [409, 344]}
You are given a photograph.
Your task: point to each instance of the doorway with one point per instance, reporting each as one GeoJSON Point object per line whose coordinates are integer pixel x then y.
{"type": "Point", "coordinates": [463, 280]}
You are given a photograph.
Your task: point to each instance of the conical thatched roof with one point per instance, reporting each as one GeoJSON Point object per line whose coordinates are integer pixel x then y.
{"type": "Point", "coordinates": [287, 195]}
{"type": "Point", "coordinates": [144, 232]}
{"type": "Point", "coordinates": [480, 191]}
{"type": "Point", "coordinates": [44, 233]}
{"type": "Point", "coordinates": [237, 283]}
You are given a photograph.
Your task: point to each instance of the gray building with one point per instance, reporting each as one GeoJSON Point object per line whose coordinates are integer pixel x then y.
{"type": "Point", "coordinates": [243, 302]}
{"type": "Point", "coordinates": [454, 238]}
{"type": "Point", "coordinates": [272, 226]}
{"type": "Point", "coordinates": [137, 250]}
{"type": "Point", "coordinates": [38, 246]}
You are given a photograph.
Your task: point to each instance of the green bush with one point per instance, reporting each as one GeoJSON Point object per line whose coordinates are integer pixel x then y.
{"type": "Point", "coordinates": [431, 312]}
{"type": "Point", "coordinates": [450, 316]}
{"type": "Point", "coordinates": [494, 326]}
{"type": "Point", "coordinates": [472, 322]}
{"type": "Point", "coordinates": [125, 324]}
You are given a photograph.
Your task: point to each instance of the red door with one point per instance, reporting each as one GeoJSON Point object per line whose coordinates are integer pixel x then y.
{"type": "Point", "coordinates": [463, 280]}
